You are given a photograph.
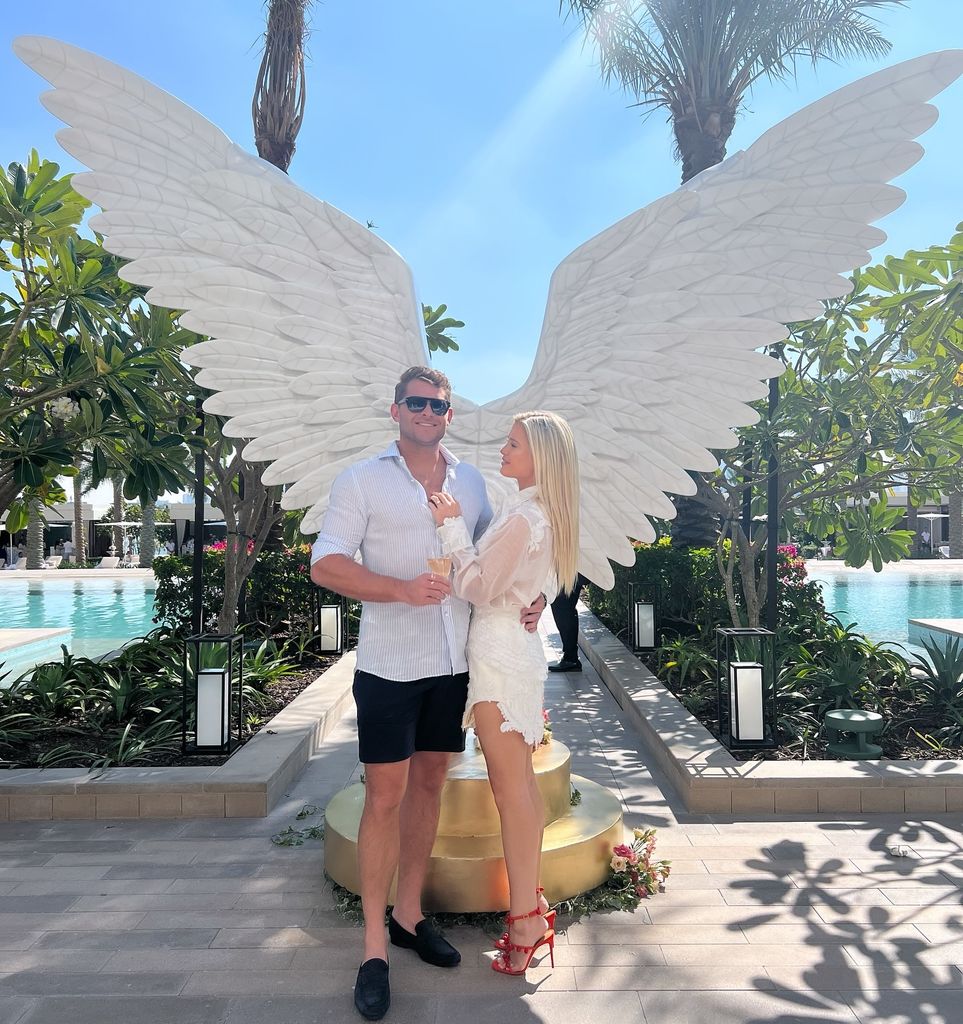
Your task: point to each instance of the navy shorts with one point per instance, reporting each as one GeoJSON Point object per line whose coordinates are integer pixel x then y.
{"type": "Point", "coordinates": [397, 718]}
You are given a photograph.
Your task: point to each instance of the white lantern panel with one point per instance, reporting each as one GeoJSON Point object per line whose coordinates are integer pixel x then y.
{"type": "Point", "coordinates": [746, 701]}
{"type": "Point", "coordinates": [644, 624]}
{"type": "Point", "coordinates": [213, 707]}
{"type": "Point", "coordinates": [329, 624]}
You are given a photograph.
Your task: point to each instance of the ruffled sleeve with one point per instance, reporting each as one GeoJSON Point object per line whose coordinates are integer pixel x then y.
{"type": "Point", "coordinates": [480, 577]}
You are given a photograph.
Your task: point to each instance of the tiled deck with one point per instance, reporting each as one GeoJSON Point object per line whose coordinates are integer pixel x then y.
{"type": "Point", "coordinates": [206, 922]}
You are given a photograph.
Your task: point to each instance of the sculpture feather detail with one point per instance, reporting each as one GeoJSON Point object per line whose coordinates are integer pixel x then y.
{"type": "Point", "coordinates": [651, 331]}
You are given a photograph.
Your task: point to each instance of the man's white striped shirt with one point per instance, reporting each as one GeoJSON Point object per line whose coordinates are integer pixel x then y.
{"type": "Point", "coordinates": [378, 508]}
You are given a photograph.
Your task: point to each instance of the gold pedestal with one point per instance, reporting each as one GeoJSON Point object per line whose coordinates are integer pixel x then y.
{"type": "Point", "coordinates": [466, 873]}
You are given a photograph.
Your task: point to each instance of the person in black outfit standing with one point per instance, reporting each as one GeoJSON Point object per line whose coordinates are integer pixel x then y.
{"type": "Point", "coordinates": [566, 620]}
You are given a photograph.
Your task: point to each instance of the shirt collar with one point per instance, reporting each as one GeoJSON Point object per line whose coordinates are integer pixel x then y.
{"type": "Point", "coordinates": [514, 500]}
{"type": "Point", "coordinates": [393, 452]}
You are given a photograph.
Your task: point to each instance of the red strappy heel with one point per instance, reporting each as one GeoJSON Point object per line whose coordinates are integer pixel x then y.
{"type": "Point", "coordinates": [504, 940]}
{"type": "Point", "coordinates": [502, 964]}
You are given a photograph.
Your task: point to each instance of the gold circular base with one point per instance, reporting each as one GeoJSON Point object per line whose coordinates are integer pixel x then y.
{"type": "Point", "coordinates": [466, 873]}
{"type": "Point", "coordinates": [467, 805]}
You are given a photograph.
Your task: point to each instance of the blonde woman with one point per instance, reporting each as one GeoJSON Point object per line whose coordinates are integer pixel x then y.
{"type": "Point", "coordinates": [533, 543]}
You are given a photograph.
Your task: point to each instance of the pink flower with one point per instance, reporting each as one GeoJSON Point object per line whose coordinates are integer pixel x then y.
{"type": "Point", "coordinates": [623, 851]}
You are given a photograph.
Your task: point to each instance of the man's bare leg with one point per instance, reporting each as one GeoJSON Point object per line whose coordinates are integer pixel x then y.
{"type": "Point", "coordinates": [418, 825]}
{"type": "Point", "coordinates": [378, 843]}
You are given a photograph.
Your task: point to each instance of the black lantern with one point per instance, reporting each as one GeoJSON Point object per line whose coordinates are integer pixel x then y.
{"type": "Point", "coordinates": [644, 615]}
{"type": "Point", "coordinates": [213, 676]}
{"type": "Point", "coordinates": [746, 687]}
{"type": "Point", "coordinates": [328, 622]}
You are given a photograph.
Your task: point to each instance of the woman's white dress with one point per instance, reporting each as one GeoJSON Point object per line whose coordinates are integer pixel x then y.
{"type": "Point", "coordinates": [511, 567]}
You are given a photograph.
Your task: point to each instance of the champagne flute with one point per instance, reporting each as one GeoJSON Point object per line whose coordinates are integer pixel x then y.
{"type": "Point", "coordinates": [440, 566]}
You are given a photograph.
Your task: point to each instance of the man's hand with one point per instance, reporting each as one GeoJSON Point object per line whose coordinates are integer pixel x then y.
{"type": "Point", "coordinates": [428, 588]}
{"type": "Point", "coordinates": [530, 615]}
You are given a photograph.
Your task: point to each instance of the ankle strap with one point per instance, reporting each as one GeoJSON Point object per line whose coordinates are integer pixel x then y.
{"type": "Point", "coordinates": [521, 917]}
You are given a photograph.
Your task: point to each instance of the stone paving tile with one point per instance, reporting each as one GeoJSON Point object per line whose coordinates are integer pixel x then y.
{"type": "Point", "coordinates": [157, 901]}
{"type": "Point", "coordinates": [521, 1005]}
{"type": "Point", "coordinates": [54, 961]}
{"type": "Point", "coordinates": [309, 900]}
{"type": "Point", "coordinates": [670, 979]}
{"type": "Point", "coordinates": [175, 938]}
{"type": "Point", "coordinates": [598, 932]}
{"type": "Point", "coordinates": [231, 870]}
{"type": "Point", "coordinates": [273, 884]}
{"type": "Point", "coordinates": [930, 1007]}
{"type": "Point", "coordinates": [827, 934]}
{"type": "Point", "coordinates": [18, 938]}
{"type": "Point", "coordinates": [275, 938]}
{"type": "Point", "coordinates": [34, 904]}
{"type": "Point", "coordinates": [133, 1008]}
{"type": "Point", "coordinates": [915, 897]}
{"type": "Point", "coordinates": [883, 917]}
{"type": "Point", "coordinates": [585, 955]}
{"type": "Point", "coordinates": [880, 953]}
{"type": "Point", "coordinates": [334, 1009]}
{"type": "Point", "coordinates": [281, 918]}
{"type": "Point", "coordinates": [792, 895]}
{"type": "Point", "coordinates": [14, 1008]}
{"type": "Point", "coordinates": [46, 983]}
{"type": "Point", "coordinates": [88, 887]}
{"type": "Point", "coordinates": [188, 960]}
{"type": "Point", "coordinates": [757, 954]}
{"type": "Point", "coordinates": [890, 976]}
{"type": "Point", "coordinates": [73, 922]}
{"type": "Point", "coordinates": [51, 847]}
{"type": "Point", "coordinates": [42, 874]}
{"type": "Point", "coordinates": [738, 1007]}
{"type": "Point", "coordinates": [173, 860]}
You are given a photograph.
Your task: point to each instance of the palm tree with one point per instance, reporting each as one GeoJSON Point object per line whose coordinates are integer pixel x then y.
{"type": "Point", "coordinates": [697, 59]}
{"type": "Point", "coordinates": [35, 524]}
{"type": "Point", "coordinates": [955, 500]}
{"type": "Point", "coordinates": [279, 94]}
{"type": "Point", "coordinates": [147, 534]}
{"type": "Point", "coordinates": [80, 482]}
{"type": "Point", "coordinates": [117, 512]}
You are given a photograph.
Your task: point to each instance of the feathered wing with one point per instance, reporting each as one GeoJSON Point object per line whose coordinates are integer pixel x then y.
{"type": "Point", "coordinates": [311, 316]}
{"type": "Point", "coordinates": [649, 341]}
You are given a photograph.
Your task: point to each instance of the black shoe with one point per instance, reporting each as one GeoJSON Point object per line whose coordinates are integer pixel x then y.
{"type": "Point", "coordinates": [566, 665]}
{"type": "Point", "coordinates": [427, 942]}
{"type": "Point", "coordinates": [372, 994]}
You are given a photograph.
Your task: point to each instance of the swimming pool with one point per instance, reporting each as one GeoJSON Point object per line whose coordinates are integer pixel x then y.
{"type": "Point", "coordinates": [101, 614]}
{"type": "Point", "coordinates": [881, 603]}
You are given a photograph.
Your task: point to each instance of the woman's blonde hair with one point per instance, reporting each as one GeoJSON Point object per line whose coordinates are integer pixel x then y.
{"type": "Point", "coordinates": [557, 480]}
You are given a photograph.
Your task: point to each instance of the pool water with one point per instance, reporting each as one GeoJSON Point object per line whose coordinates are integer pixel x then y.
{"type": "Point", "coordinates": [102, 614]}
{"type": "Point", "coordinates": [881, 603]}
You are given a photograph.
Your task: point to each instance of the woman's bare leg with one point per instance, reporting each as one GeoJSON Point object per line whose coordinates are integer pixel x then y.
{"type": "Point", "coordinates": [509, 760]}
{"type": "Point", "coordinates": [539, 804]}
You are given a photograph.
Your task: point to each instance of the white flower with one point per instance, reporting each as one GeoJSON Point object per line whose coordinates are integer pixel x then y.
{"type": "Point", "coordinates": [619, 863]}
{"type": "Point", "coordinates": [64, 408]}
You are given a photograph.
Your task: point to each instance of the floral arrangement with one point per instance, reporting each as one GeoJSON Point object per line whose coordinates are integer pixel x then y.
{"type": "Point", "coordinates": [220, 546]}
{"type": "Point", "coordinates": [546, 729]}
{"type": "Point", "coordinates": [634, 872]}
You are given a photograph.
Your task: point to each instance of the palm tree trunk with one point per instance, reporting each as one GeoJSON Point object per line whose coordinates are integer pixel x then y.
{"type": "Point", "coordinates": [117, 532]}
{"type": "Point", "coordinates": [34, 534]}
{"type": "Point", "coordinates": [79, 536]}
{"type": "Point", "coordinates": [147, 534]}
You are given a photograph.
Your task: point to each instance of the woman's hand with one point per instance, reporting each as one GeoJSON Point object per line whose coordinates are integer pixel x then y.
{"type": "Point", "coordinates": [443, 506]}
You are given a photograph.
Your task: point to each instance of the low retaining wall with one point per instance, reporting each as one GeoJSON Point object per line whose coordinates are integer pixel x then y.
{"type": "Point", "coordinates": [710, 779]}
{"type": "Point", "coordinates": [248, 785]}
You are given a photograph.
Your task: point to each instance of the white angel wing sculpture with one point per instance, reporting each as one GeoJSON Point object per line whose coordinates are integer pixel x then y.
{"type": "Point", "coordinates": [649, 342]}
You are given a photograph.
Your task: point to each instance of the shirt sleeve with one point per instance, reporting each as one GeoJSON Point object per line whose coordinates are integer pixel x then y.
{"type": "Point", "coordinates": [481, 577]}
{"type": "Point", "coordinates": [484, 516]}
{"type": "Point", "coordinates": [345, 521]}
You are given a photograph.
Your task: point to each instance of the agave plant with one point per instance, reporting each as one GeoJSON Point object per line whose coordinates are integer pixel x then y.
{"type": "Point", "coordinates": [939, 680]}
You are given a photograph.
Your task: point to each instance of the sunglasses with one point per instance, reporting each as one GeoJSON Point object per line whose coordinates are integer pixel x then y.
{"type": "Point", "coordinates": [439, 406]}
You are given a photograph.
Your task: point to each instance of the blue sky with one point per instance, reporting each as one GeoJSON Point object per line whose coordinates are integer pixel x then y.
{"type": "Point", "coordinates": [478, 138]}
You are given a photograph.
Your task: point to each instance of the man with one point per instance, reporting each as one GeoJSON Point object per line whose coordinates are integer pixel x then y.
{"type": "Point", "coordinates": [566, 621]}
{"type": "Point", "coordinates": [411, 679]}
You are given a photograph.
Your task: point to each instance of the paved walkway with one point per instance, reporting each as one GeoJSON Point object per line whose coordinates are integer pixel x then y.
{"type": "Point", "coordinates": [206, 922]}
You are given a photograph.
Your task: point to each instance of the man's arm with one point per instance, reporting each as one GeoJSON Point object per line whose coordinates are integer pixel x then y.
{"type": "Point", "coordinates": [345, 576]}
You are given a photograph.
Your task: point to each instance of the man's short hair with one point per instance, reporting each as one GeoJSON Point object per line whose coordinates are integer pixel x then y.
{"type": "Point", "coordinates": [425, 373]}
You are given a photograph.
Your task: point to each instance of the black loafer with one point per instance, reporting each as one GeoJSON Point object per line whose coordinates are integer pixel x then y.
{"type": "Point", "coordinates": [427, 942]}
{"type": "Point", "coordinates": [566, 665]}
{"type": "Point", "coordinates": [372, 994]}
